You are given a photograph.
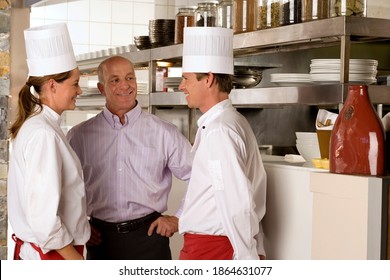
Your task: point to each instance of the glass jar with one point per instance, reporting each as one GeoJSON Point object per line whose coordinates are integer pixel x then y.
{"type": "Point", "coordinates": [348, 8]}
{"type": "Point", "coordinates": [307, 9]}
{"type": "Point", "coordinates": [206, 14]}
{"type": "Point", "coordinates": [184, 18]}
{"type": "Point", "coordinates": [262, 14]}
{"type": "Point", "coordinates": [245, 16]}
{"type": "Point", "coordinates": [287, 12]}
{"type": "Point", "coordinates": [322, 9]}
{"type": "Point", "coordinates": [273, 16]}
{"type": "Point", "coordinates": [315, 9]}
{"type": "Point", "coordinates": [226, 13]}
{"type": "Point", "coordinates": [297, 11]}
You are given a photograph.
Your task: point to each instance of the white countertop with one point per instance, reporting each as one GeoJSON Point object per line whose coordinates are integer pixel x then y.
{"type": "Point", "coordinates": [279, 161]}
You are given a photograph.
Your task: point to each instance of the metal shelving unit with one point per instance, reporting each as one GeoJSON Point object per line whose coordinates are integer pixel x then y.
{"type": "Point", "coordinates": [342, 31]}
{"type": "Point", "coordinates": [338, 31]}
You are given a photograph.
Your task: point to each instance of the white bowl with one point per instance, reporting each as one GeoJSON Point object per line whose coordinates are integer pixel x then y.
{"type": "Point", "coordinates": [308, 152]}
{"type": "Point", "coordinates": [306, 135]}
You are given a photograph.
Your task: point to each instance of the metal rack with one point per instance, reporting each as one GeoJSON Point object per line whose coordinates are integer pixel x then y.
{"type": "Point", "coordinates": [338, 31]}
{"type": "Point", "coordinates": [342, 31]}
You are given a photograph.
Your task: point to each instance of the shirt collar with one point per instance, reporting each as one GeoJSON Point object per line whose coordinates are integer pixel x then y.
{"type": "Point", "coordinates": [213, 112]}
{"type": "Point", "coordinates": [130, 117]}
{"type": "Point", "coordinates": [51, 114]}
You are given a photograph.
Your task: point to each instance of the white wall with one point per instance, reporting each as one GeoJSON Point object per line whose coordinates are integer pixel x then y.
{"type": "Point", "coordinates": [101, 24]}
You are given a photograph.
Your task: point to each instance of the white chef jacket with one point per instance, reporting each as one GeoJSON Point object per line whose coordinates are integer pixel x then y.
{"type": "Point", "coordinates": [227, 190]}
{"type": "Point", "coordinates": [46, 195]}
{"type": "Point", "coordinates": [386, 122]}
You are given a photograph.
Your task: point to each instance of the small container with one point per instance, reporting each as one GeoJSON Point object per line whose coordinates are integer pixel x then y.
{"type": "Point", "coordinates": [322, 9]}
{"type": "Point", "coordinates": [206, 14]}
{"type": "Point", "coordinates": [348, 8]}
{"type": "Point", "coordinates": [307, 9]}
{"type": "Point", "coordinates": [245, 16]}
{"type": "Point", "coordinates": [184, 18]}
{"type": "Point", "coordinates": [287, 12]}
{"type": "Point", "coordinates": [297, 11]}
{"type": "Point", "coordinates": [226, 13]}
{"type": "Point", "coordinates": [273, 18]}
{"type": "Point", "coordinates": [315, 9]}
{"type": "Point", "coordinates": [262, 14]}
{"type": "Point", "coordinates": [161, 74]}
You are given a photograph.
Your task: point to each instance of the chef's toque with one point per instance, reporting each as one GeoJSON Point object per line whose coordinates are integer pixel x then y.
{"type": "Point", "coordinates": [49, 50]}
{"type": "Point", "coordinates": [208, 49]}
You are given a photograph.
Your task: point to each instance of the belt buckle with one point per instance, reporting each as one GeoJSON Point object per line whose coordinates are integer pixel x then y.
{"type": "Point", "coordinates": [123, 227]}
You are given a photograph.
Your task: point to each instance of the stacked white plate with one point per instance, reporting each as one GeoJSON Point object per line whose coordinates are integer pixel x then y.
{"type": "Point", "coordinates": [325, 71]}
{"type": "Point", "coordinates": [307, 145]}
{"type": "Point", "coordinates": [290, 79]}
{"type": "Point", "coordinates": [172, 82]}
{"type": "Point", "coordinates": [142, 88]}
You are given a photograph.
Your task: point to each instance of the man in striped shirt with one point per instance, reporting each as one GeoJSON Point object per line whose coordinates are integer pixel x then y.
{"type": "Point", "coordinates": [128, 158]}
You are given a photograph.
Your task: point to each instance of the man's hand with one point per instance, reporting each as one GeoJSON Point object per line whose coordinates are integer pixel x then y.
{"type": "Point", "coordinates": [165, 226]}
{"type": "Point", "coordinates": [95, 237]}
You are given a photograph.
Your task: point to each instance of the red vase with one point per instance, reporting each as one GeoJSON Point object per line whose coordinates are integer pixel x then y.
{"type": "Point", "coordinates": [357, 144]}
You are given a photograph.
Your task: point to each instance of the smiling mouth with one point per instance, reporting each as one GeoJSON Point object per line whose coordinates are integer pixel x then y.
{"type": "Point", "coordinates": [125, 93]}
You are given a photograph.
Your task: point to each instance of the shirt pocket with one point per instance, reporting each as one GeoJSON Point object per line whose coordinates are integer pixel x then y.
{"type": "Point", "coordinates": [148, 161]}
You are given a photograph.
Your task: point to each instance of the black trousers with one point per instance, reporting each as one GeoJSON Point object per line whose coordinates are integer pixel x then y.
{"type": "Point", "coordinates": [133, 245]}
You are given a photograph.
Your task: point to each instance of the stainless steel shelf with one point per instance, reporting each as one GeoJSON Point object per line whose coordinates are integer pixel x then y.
{"type": "Point", "coordinates": [263, 97]}
{"type": "Point", "coordinates": [341, 31]}
{"type": "Point", "coordinates": [98, 101]}
{"type": "Point", "coordinates": [296, 36]}
{"type": "Point", "coordinates": [308, 34]}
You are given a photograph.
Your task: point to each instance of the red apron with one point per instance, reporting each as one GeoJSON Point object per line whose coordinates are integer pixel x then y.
{"type": "Point", "coordinates": [206, 247]}
{"type": "Point", "coordinates": [51, 255]}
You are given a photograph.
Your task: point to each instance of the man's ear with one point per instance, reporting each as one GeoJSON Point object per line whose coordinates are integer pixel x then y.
{"type": "Point", "coordinates": [210, 79]}
{"type": "Point", "coordinates": [101, 89]}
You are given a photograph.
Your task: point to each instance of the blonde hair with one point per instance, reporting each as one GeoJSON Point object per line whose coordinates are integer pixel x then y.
{"type": "Point", "coordinates": [28, 104]}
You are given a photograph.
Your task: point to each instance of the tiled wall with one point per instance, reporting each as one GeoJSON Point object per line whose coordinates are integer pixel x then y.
{"type": "Point", "coordinates": [5, 12]}
{"type": "Point", "coordinates": [102, 24]}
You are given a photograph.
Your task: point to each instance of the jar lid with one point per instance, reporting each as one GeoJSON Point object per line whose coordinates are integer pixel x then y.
{"type": "Point", "coordinates": [208, 2]}
{"type": "Point", "coordinates": [187, 8]}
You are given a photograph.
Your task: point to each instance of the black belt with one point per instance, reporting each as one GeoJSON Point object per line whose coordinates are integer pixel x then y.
{"type": "Point", "coordinates": [126, 227]}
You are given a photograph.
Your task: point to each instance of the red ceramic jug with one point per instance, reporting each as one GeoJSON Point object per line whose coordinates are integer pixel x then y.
{"type": "Point", "coordinates": [357, 144]}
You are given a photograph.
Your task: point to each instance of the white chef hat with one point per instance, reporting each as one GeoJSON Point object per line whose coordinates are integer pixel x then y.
{"type": "Point", "coordinates": [49, 50]}
{"type": "Point", "coordinates": [208, 49]}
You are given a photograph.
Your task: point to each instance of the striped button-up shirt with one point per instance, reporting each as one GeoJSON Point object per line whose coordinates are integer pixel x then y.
{"type": "Point", "coordinates": [128, 168]}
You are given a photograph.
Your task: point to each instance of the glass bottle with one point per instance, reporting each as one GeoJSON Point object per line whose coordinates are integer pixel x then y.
{"type": "Point", "coordinates": [297, 11]}
{"type": "Point", "coordinates": [244, 16]}
{"type": "Point", "coordinates": [206, 14]}
{"type": "Point", "coordinates": [322, 9]}
{"type": "Point", "coordinates": [262, 14]}
{"type": "Point", "coordinates": [307, 10]}
{"type": "Point", "coordinates": [184, 18]}
{"type": "Point", "coordinates": [275, 13]}
{"type": "Point", "coordinates": [348, 8]}
{"type": "Point", "coordinates": [357, 144]}
{"type": "Point", "coordinates": [287, 12]}
{"type": "Point", "coordinates": [226, 13]}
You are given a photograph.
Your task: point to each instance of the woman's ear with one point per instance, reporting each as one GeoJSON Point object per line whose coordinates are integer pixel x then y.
{"type": "Point", "coordinates": [52, 85]}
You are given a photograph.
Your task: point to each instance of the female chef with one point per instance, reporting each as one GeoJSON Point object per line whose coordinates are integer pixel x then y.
{"type": "Point", "coordinates": [46, 197]}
